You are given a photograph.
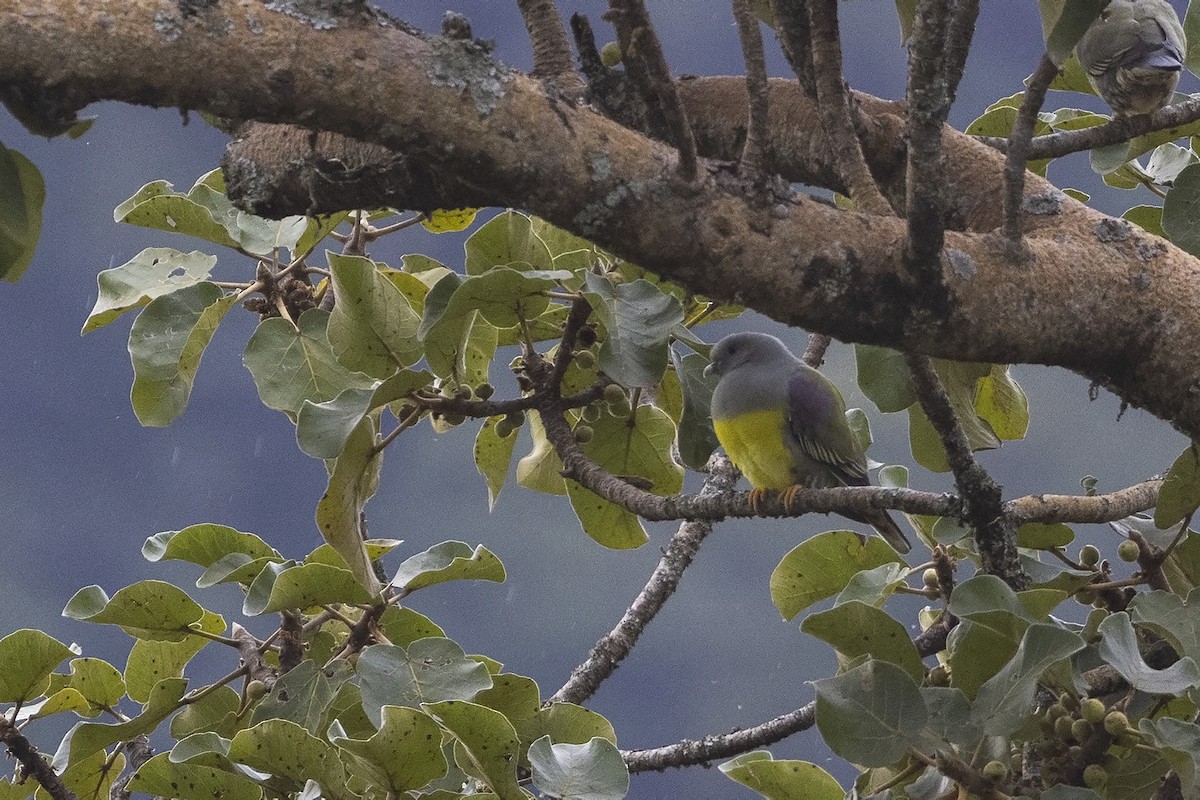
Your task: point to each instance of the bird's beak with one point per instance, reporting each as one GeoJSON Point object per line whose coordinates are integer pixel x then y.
{"type": "Point", "coordinates": [712, 370]}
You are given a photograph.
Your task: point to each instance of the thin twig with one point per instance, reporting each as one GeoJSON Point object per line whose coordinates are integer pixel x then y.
{"type": "Point", "coordinates": [710, 748]}
{"type": "Point", "coordinates": [551, 51]}
{"type": "Point", "coordinates": [643, 57]}
{"type": "Point", "coordinates": [833, 102]}
{"type": "Point", "coordinates": [995, 531]}
{"type": "Point", "coordinates": [814, 354]}
{"type": "Point", "coordinates": [613, 647]}
{"type": "Point", "coordinates": [928, 106]}
{"type": "Point", "coordinates": [32, 762]}
{"type": "Point", "coordinates": [756, 85]}
{"type": "Point", "coordinates": [1018, 146]}
{"type": "Point", "coordinates": [791, 23]}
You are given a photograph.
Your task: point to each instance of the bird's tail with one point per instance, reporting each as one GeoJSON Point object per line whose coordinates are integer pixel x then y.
{"type": "Point", "coordinates": [882, 522]}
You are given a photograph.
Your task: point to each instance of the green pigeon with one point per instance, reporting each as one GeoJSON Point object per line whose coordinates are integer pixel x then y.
{"type": "Point", "coordinates": [783, 424]}
{"type": "Point", "coordinates": [1133, 54]}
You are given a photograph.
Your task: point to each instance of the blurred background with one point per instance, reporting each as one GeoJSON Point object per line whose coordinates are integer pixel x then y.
{"type": "Point", "coordinates": [85, 484]}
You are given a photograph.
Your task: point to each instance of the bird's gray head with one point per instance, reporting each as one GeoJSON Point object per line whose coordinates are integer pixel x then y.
{"type": "Point", "coordinates": [741, 349]}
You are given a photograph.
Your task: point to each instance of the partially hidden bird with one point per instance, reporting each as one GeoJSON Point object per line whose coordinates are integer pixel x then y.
{"type": "Point", "coordinates": [1133, 54]}
{"type": "Point", "coordinates": [783, 424]}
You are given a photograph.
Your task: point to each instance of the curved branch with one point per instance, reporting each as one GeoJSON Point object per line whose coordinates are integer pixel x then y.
{"type": "Point", "coordinates": [612, 649]}
{"type": "Point", "coordinates": [709, 748]}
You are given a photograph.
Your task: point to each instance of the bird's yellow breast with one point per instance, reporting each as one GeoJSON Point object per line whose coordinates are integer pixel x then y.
{"type": "Point", "coordinates": [756, 443]}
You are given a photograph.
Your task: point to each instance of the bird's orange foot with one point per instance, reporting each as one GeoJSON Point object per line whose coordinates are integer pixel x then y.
{"type": "Point", "coordinates": [788, 495]}
{"type": "Point", "coordinates": [756, 498]}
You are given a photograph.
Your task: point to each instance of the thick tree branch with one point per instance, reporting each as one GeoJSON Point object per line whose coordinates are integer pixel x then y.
{"type": "Point", "coordinates": [472, 132]}
{"type": "Point", "coordinates": [612, 649]}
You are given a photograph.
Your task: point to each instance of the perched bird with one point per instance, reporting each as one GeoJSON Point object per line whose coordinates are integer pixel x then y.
{"type": "Point", "coordinates": [784, 425]}
{"type": "Point", "coordinates": [1133, 54]}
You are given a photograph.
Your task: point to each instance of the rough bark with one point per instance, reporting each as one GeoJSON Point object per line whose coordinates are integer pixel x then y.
{"type": "Point", "coordinates": [1095, 295]}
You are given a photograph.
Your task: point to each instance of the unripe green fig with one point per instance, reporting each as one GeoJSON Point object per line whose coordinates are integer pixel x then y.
{"type": "Point", "coordinates": [586, 359]}
{"type": "Point", "coordinates": [484, 390]}
{"type": "Point", "coordinates": [613, 393]}
{"type": "Point", "coordinates": [1115, 723]}
{"type": "Point", "coordinates": [584, 433]}
{"type": "Point", "coordinates": [930, 578]}
{"type": "Point", "coordinates": [1128, 550]}
{"type": "Point", "coordinates": [995, 771]}
{"type": "Point", "coordinates": [1092, 710]}
{"type": "Point", "coordinates": [1089, 555]}
{"type": "Point", "coordinates": [1080, 729]}
{"type": "Point", "coordinates": [1095, 776]}
{"type": "Point", "coordinates": [610, 55]}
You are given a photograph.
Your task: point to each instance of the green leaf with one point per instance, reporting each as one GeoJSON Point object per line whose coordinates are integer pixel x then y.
{"type": "Point", "coordinates": [503, 297]}
{"type": "Point", "coordinates": [88, 738]}
{"type": "Point", "coordinates": [1179, 742]}
{"type": "Point", "coordinates": [303, 586]}
{"type": "Point", "coordinates": [506, 238]}
{"type": "Point", "coordinates": [206, 213]}
{"type": "Point", "coordinates": [291, 365]}
{"type": "Point", "coordinates": [567, 722]}
{"type": "Point", "coordinates": [97, 681]}
{"type": "Point", "coordinates": [1001, 403]}
{"type": "Point", "coordinates": [406, 752]}
{"type": "Point", "coordinates": [215, 712]}
{"type": "Point", "coordinates": [870, 715]}
{"type": "Point", "coordinates": [1005, 700]}
{"type": "Point", "coordinates": [637, 446]}
{"type": "Point", "coordinates": [856, 629]}
{"type": "Point", "coordinates": [822, 566]}
{"type": "Point", "coordinates": [89, 778]}
{"type": "Point", "coordinates": [448, 561]}
{"type": "Point", "coordinates": [154, 272]}
{"type": "Point", "coordinates": [1179, 496]}
{"type": "Point", "coordinates": [303, 695]}
{"type": "Point", "coordinates": [146, 610]}
{"type": "Point", "coordinates": [1044, 536]}
{"type": "Point", "coordinates": [1170, 617]}
{"type": "Point", "coordinates": [151, 660]}
{"type": "Point", "coordinates": [1148, 218]}
{"type": "Point", "coordinates": [403, 626]}
{"type": "Point", "coordinates": [427, 671]}
{"type": "Point", "coordinates": [1064, 23]}
{"type": "Point", "coordinates": [323, 428]}
{"type": "Point", "coordinates": [782, 780]}
{"type": "Point", "coordinates": [697, 440]}
{"type": "Point", "coordinates": [205, 544]}
{"type": "Point", "coordinates": [449, 220]}
{"type": "Point", "coordinates": [373, 328]}
{"type": "Point", "coordinates": [540, 469]}
{"type": "Point", "coordinates": [993, 623]}
{"type": "Point", "coordinates": [591, 771]}
{"type": "Point", "coordinates": [884, 378]}
{"type": "Point", "coordinates": [352, 482]}
{"type": "Point", "coordinates": [638, 317]}
{"type": "Point", "coordinates": [1180, 208]}
{"type": "Point", "coordinates": [166, 344]}
{"type": "Point", "coordinates": [950, 718]}
{"type": "Point", "coordinates": [1119, 648]}
{"type": "Point", "coordinates": [286, 750]}
{"type": "Point", "coordinates": [22, 195]}
{"type": "Point", "coordinates": [486, 745]}
{"type": "Point", "coordinates": [161, 777]}
{"type": "Point", "coordinates": [608, 523]}
{"type": "Point", "coordinates": [317, 229]}
{"type": "Point", "coordinates": [28, 657]}
{"type": "Point", "coordinates": [493, 456]}
{"type": "Point", "coordinates": [906, 10]}
{"type": "Point", "coordinates": [874, 586]}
